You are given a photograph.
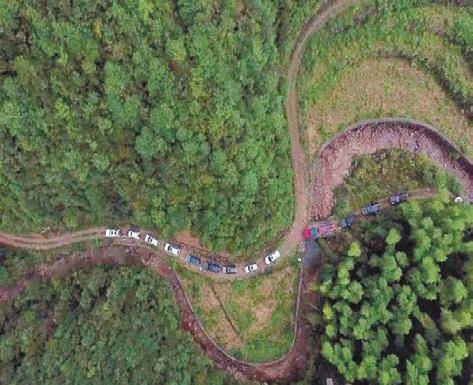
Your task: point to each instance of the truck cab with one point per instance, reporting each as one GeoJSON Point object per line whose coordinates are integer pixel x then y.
{"type": "Point", "coordinates": [309, 232]}
{"type": "Point", "coordinates": [212, 266]}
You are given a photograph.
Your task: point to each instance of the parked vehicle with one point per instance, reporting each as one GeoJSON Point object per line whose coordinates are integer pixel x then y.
{"type": "Point", "coordinates": [327, 228]}
{"type": "Point", "coordinates": [251, 267]}
{"type": "Point", "coordinates": [112, 233]}
{"type": "Point", "coordinates": [230, 269]}
{"type": "Point", "coordinates": [193, 260]}
{"type": "Point", "coordinates": [173, 250]}
{"type": "Point", "coordinates": [212, 266]}
{"type": "Point", "coordinates": [151, 240]}
{"type": "Point", "coordinates": [371, 209]}
{"type": "Point", "coordinates": [347, 221]}
{"type": "Point", "coordinates": [133, 234]}
{"type": "Point", "coordinates": [272, 258]}
{"type": "Point", "coordinates": [458, 200]}
{"type": "Point", "coordinates": [398, 198]}
{"type": "Point", "coordinates": [309, 232]}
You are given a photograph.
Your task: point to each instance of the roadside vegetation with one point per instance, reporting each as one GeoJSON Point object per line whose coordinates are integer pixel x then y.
{"type": "Point", "coordinates": [397, 298]}
{"type": "Point", "coordinates": [404, 59]}
{"type": "Point", "coordinates": [17, 263]}
{"type": "Point", "coordinates": [377, 176]}
{"type": "Point", "coordinates": [251, 318]}
{"type": "Point", "coordinates": [169, 117]}
{"type": "Point", "coordinates": [107, 325]}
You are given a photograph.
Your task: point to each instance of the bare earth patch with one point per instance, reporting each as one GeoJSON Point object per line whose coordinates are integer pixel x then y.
{"type": "Point", "coordinates": [262, 310]}
{"type": "Point", "coordinates": [385, 87]}
{"type": "Point", "coordinates": [253, 318]}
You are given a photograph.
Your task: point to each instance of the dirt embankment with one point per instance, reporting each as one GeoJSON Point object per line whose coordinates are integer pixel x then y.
{"type": "Point", "coordinates": [335, 159]}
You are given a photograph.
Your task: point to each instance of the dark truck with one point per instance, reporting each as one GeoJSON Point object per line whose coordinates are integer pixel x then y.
{"type": "Point", "coordinates": [371, 209]}
{"type": "Point", "coordinates": [398, 198]}
{"type": "Point", "coordinates": [347, 221]}
{"type": "Point", "coordinates": [193, 260]}
{"type": "Point", "coordinates": [212, 266]}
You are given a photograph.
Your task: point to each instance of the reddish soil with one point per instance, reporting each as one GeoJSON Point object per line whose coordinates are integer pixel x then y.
{"type": "Point", "coordinates": [335, 159]}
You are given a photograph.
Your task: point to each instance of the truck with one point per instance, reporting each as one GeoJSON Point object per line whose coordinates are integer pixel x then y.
{"type": "Point", "coordinates": [398, 198]}
{"type": "Point", "coordinates": [193, 260]}
{"type": "Point", "coordinates": [323, 229]}
{"type": "Point", "coordinates": [347, 221]}
{"type": "Point", "coordinates": [327, 228]}
{"type": "Point", "coordinates": [309, 232]}
{"type": "Point", "coordinates": [212, 266]}
{"type": "Point", "coordinates": [230, 269]}
{"type": "Point", "coordinates": [371, 209]}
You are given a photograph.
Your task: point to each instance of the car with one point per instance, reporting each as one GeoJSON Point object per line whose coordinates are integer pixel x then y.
{"type": "Point", "coordinates": [347, 221]}
{"type": "Point", "coordinates": [398, 198]}
{"type": "Point", "coordinates": [272, 258]}
{"type": "Point", "coordinates": [371, 209]}
{"type": "Point", "coordinates": [173, 250]}
{"type": "Point", "coordinates": [251, 267]}
{"type": "Point", "coordinates": [112, 233]}
{"type": "Point", "coordinates": [151, 240]}
{"type": "Point", "coordinates": [193, 260]}
{"type": "Point", "coordinates": [212, 266]}
{"type": "Point", "coordinates": [133, 234]}
{"type": "Point", "coordinates": [230, 269]}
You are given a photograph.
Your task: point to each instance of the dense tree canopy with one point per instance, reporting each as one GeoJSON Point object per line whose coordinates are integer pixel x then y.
{"type": "Point", "coordinates": [168, 113]}
{"type": "Point", "coordinates": [398, 305]}
{"type": "Point", "coordinates": [107, 326]}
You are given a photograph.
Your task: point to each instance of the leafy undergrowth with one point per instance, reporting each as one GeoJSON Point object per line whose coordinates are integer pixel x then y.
{"type": "Point", "coordinates": [377, 176]}
{"type": "Point", "coordinates": [250, 318]}
{"type": "Point", "coordinates": [397, 303]}
{"type": "Point", "coordinates": [390, 59]}
{"type": "Point", "coordinates": [102, 326]}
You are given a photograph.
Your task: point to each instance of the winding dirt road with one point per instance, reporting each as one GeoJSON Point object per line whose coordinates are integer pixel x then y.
{"type": "Point", "coordinates": [333, 163]}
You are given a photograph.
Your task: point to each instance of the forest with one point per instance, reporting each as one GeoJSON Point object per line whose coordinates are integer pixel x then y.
{"type": "Point", "coordinates": [166, 114]}
{"type": "Point", "coordinates": [107, 325]}
{"type": "Point", "coordinates": [398, 299]}
{"type": "Point", "coordinates": [170, 115]}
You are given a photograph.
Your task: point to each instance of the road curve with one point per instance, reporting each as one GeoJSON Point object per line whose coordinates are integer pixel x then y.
{"type": "Point", "coordinates": [367, 137]}
{"type": "Point", "coordinates": [414, 136]}
{"type": "Point", "coordinates": [422, 138]}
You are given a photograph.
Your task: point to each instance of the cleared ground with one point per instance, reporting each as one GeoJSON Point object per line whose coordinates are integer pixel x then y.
{"type": "Point", "coordinates": [253, 319]}
{"type": "Point", "coordinates": [412, 64]}
{"type": "Point", "coordinates": [379, 88]}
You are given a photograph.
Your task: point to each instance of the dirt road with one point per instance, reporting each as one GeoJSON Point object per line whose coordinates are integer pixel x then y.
{"type": "Point", "coordinates": [289, 367]}
{"type": "Point", "coordinates": [335, 158]}
{"type": "Point", "coordinates": [332, 164]}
